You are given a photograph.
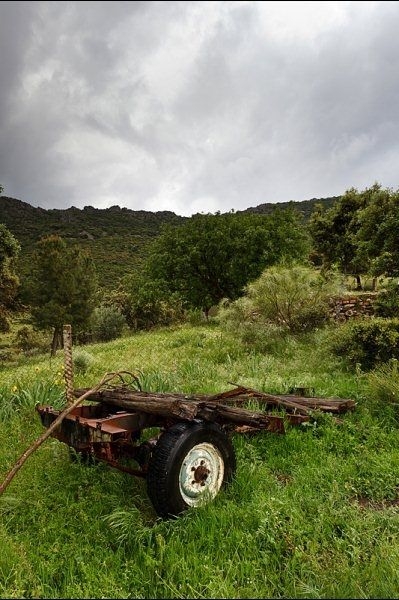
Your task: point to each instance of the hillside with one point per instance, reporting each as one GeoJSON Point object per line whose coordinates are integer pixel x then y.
{"type": "Point", "coordinates": [117, 237]}
{"type": "Point", "coordinates": [305, 207]}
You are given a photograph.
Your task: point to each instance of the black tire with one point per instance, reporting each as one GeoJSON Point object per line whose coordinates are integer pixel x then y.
{"type": "Point", "coordinates": [163, 479]}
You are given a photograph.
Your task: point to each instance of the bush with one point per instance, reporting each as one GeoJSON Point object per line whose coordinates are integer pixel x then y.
{"type": "Point", "coordinates": [152, 304]}
{"type": "Point", "coordinates": [195, 316]}
{"type": "Point", "coordinates": [383, 389]}
{"type": "Point", "coordinates": [82, 361]}
{"type": "Point", "coordinates": [296, 298]}
{"type": "Point", "coordinates": [283, 300]}
{"type": "Point", "coordinates": [367, 342]}
{"type": "Point", "coordinates": [387, 302]}
{"type": "Point", "coordinates": [107, 323]}
{"type": "Point", "coordinates": [28, 340]}
{"type": "Point", "coordinates": [4, 321]}
{"type": "Point", "coordinates": [241, 319]}
{"type": "Point", "coordinates": [383, 383]}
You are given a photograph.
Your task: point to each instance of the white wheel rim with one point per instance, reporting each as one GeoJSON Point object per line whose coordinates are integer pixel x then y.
{"type": "Point", "coordinates": [201, 474]}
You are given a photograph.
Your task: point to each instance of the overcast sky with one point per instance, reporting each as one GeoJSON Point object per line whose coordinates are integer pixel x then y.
{"type": "Point", "coordinates": [196, 106]}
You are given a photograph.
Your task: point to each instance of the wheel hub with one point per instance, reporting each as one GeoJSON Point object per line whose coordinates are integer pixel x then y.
{"type": "Point", "coordinates": [202, 471]}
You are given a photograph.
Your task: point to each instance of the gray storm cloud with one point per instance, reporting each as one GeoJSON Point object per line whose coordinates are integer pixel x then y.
{"type": "Point", "coordinates": [196, 106]}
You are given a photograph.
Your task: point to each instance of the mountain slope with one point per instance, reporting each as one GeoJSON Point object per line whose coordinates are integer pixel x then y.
{"type": "Point", "coordinates": [305, 207]}
{"type": "Point", "coordinates": [118, 238]}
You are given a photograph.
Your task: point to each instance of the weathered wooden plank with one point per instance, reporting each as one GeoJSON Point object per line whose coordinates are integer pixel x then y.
{"type": "Point", "coordinates": [187, 410]}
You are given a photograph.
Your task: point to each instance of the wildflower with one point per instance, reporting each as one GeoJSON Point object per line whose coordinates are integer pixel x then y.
{"type": "Point", "coordinates": [14, 388]}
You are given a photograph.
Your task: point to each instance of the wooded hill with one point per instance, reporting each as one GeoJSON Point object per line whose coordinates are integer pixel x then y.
{"type": "Point", "coordinates": [117, 237]}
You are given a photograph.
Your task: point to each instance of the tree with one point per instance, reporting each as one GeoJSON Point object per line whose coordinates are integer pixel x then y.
{"type": "Point", "coordinates": [378, 235]}
{"type": "Point", "coordinates": [211, 257]}
{"type": "Point", "coordinates": [334, 234]}
{"type": "Point", "coordinates": [153, 303]}
{"type": "Point", "coordinates": [62, 287]}
{"type": "Point", "coordinates": [9, 282]}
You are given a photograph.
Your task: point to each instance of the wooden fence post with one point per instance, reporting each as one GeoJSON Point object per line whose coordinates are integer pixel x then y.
{"type": "Point", "coordinates": [68, 364]}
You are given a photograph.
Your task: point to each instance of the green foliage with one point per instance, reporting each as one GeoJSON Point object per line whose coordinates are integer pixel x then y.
{"type": "Point", "coordinates": [118, 238]}
{"type": "Point", "coordinates": [212, 257]}
{"type": "Point", "coordinates": [151, 303]}
{"type": "Point", "coordinates": [29, 340]}
{"type": "Point", "coordinates": [82, 361]}
{"type": "Point", "coordinates": [379, 232]}
{"type": "Point", "coordinates": [334, 233]}
{"type": "Point", "coordinates": [17, 398]}
{"type": "Point", "coordinates": [241, 319]}
{"type": "Point", "coordinates": [367, 342]}
{"type": "Point", "coordinates": [62, 287]}
{"type": "Point", "coordinates": [294, 298]}
{"type": "Point", "coordinates": [9, 282]}
{"type": "Point", "coordinates": [387, 301]}
{"type": "Point", "coordinates": [383, 386]}
{"type": "Point", "coordinates": [283, 299]}
{"type": "Point", "coordinates": [107, 323]}
{"type": "Point", "coordinates": [360, 232]}
{"type": "Point", "coordinates": [305, 208]}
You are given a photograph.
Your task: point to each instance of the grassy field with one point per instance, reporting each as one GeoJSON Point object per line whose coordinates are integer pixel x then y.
{"type": "Point", "coordinates": [309, 514]}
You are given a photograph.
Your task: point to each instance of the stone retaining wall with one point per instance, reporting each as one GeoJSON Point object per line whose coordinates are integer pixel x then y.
{"type": "Point", "coordinates": [343, 308]}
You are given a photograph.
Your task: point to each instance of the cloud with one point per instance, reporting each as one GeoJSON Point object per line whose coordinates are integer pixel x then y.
{"type": "Point", "coordinates": [196, 106]}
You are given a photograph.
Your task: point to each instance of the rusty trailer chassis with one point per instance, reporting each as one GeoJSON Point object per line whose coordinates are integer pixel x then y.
{"type": "Point", "coordinates": [191, 450]}
{"type": "Point", "coordinates": [110, 435]}
{"type": "Point", "coordinates": [101, 432]}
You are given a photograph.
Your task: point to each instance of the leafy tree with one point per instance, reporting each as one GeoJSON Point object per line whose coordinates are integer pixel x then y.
{"type": "Point", "coordinates": [378, 236]}
{"type": "Point", "coordinates": [62, 288]}
{"type": "Point", "coordinates": [211, 257]}
{"type": "Point", "coordinates": [334, 234]}
{"type": "Point", "coordinates": [152, 303]}
{"type": "Point", "coordinates": [9, 282]}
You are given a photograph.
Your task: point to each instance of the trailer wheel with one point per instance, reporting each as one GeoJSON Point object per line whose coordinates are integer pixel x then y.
{"type": "Point", "coordinates": [189, 465]}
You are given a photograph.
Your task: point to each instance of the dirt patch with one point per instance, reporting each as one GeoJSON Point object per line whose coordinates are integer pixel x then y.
{"type": "Point", "coordinates": [283, 478]}
{"type": "Point", "coordinates": [382, 505]}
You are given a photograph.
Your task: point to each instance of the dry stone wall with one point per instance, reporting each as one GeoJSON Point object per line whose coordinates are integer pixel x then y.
{"type": "Point", "coordinates": [343, 308]}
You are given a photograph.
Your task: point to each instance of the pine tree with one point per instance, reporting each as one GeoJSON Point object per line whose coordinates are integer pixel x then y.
{"type": "Point", "coordinates": [9, 282]}
{"type": "Point", "coordinates": [62, 288]}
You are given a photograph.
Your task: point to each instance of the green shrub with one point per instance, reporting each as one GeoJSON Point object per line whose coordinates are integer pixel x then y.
{"type": "Point", "coordinates": [242, 320]}
{"type": "Point", "coordinates": [387, 302]}
{"type": "Point", "coordinates": [195, 316]}
{"type": "Point", "coordinates": [283, 300]}
{"type": "Point", "coordinates": [21, 397]}
{"type": "Point", "coordinates": [4, 321]}
{"type": "Point", "coordinates": [28, 340]}
{"type": "Point", "coordinates": [367, 342]}
{"type": "Point", "coordinates": [152, 304]}
{"type": "Point", "coordinates": [107, 323]}
{"type": "Point", "coordinates": [82, 361]}
{"type": "Point", "coordinates": [383, 383]}
{"type": "Point", "coordinates": [383, 388]}
{"type": "Point", "coordinates": [294, 298]}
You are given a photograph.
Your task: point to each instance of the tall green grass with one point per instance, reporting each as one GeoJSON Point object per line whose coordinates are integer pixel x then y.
{"type": "Point", "coordinates": [290, 525]}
